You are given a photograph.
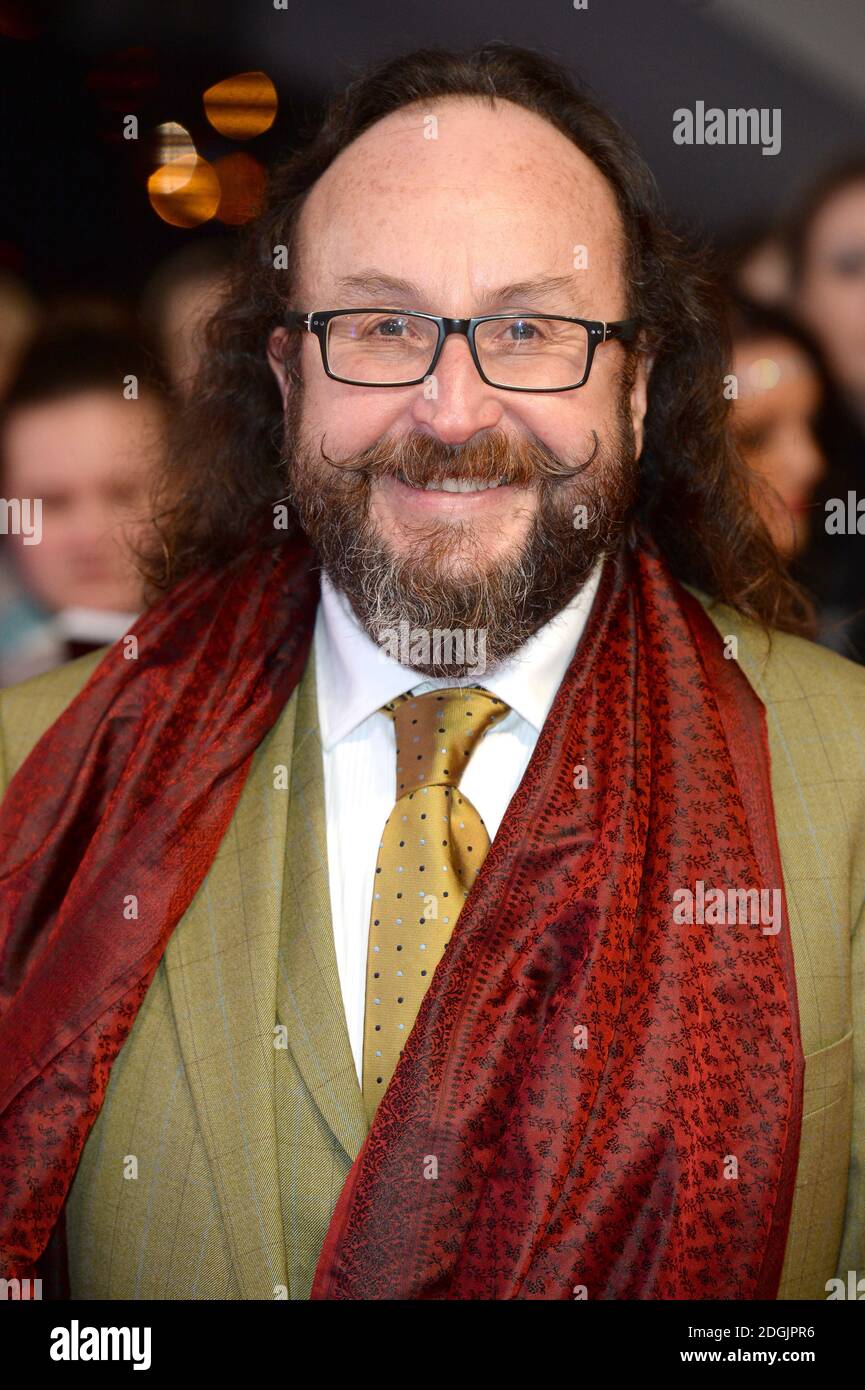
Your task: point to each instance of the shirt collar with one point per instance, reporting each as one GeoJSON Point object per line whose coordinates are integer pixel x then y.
{"type": "Point", "coordinates": [355, 676]}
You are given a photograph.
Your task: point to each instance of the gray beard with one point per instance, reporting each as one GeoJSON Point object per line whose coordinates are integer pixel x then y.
{"type": "Point", "coordinates": [443, 609]}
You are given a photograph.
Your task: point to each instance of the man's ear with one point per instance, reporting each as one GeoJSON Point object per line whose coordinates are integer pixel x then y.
{"type": "Point", "coordinates": [276, 345]}
{"type": "Point", "coordinates": [640, 397]}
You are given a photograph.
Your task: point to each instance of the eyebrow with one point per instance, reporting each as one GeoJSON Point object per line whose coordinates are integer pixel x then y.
{"type": "Point", "coordinates": [395, 292]}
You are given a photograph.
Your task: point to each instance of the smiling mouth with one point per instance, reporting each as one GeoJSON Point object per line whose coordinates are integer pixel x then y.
{"type": "Point", "coordinates": [452, 484]}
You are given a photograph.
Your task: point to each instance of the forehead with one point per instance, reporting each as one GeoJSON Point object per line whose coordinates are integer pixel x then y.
{"type": "Point", "coordinates": [458, 197]}
{"type": "Point", "coordinates": [76, 437]}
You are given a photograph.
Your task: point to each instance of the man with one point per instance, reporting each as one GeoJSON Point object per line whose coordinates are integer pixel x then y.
{"type": "Point", "coordinates": [476, 919]}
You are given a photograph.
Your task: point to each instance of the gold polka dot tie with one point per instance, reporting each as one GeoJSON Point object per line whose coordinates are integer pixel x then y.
{"type": "Point", "coordinates": [432, 847]}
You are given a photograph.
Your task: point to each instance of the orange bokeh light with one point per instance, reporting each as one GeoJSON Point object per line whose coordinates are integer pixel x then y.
{"type": "Point", "coordinates": [184, 192]}
{"type": "Point", "coordinates": [170, 142]}
{"type": "Point", "coordinates": [242, 106]}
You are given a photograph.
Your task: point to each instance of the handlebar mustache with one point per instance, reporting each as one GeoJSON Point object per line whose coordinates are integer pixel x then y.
{"type": "Point", "coordinates": [418, 460]}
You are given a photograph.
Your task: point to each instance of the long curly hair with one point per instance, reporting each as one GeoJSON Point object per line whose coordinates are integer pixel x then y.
{"type": "Point", "coordinates": [224, 472]}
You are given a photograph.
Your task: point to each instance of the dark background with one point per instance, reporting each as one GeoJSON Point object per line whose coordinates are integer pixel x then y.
{"type": "Point", "coordinates": [75, 212]}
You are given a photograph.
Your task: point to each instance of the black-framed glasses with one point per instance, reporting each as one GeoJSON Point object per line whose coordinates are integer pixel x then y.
{"type": "Point", "coordinates": [512, 352]}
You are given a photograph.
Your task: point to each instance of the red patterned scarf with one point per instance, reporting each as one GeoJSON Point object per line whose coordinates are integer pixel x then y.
{"type": "Point", "coordinates": [593, 1098]}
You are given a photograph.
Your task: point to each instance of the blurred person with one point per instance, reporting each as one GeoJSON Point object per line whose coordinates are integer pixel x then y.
{"type": "Point", "coordinates": [758, 266]}
{"type": "Point", "coordinates": [471, 862]}
{"type": "Point", "coordinates": [827, 246]}
{"type": "Point", "coordinates": [779, 391]}
{"type": "Point", "coordinates": [827, 238]}
{"type": "Point", "coordinates": [177, 302]}
{"type": "Point", "coordinates": [75, 447]}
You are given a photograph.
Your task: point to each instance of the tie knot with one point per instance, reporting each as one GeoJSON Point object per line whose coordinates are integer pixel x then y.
{"type": "Point", "coordinates": [437, 733]}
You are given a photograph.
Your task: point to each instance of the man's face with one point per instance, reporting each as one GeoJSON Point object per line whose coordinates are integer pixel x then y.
{"type": "Point", "coordinates": [476, 220]}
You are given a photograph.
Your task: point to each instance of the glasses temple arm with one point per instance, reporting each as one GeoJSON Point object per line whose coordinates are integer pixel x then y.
{"type": "Point", "coordinates": [624, 330]}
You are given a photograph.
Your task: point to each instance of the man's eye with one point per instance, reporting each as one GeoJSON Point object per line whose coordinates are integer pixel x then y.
{"type": "Point", "coordinates": [390, 328]}
{"type": "Point", "coordinates": [523, 331]}
{"type": "Point", "coordinates": [529, 332]}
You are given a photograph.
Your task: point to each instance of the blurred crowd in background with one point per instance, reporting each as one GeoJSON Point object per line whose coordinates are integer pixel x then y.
{"type": "Point", "coordinates": [797, 294]}
{"type": "Point", "coordinates": [87, 385]}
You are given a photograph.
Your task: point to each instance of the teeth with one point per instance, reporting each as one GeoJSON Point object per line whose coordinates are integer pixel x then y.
{"type": "Point", "coordinates": [460, 485]}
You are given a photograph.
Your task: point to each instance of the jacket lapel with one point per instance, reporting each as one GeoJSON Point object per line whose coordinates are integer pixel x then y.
{"type": "Point", "coordinates": [309, 995]}
{"type": "Point", "coordinates": [221, 968]}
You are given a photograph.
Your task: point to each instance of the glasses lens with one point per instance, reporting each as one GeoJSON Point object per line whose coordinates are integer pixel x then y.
{"type": "Point", "coordinates": [534, 353]}
{"type": "Point", "coordinates": [380, 348]}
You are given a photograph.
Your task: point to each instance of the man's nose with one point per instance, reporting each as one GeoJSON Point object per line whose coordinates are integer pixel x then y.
{"type": "Point", "coordinates": [454, 402]}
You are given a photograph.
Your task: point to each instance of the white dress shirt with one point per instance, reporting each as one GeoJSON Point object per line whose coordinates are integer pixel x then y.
{"type": "Point", "coordinates": [354, 678]}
